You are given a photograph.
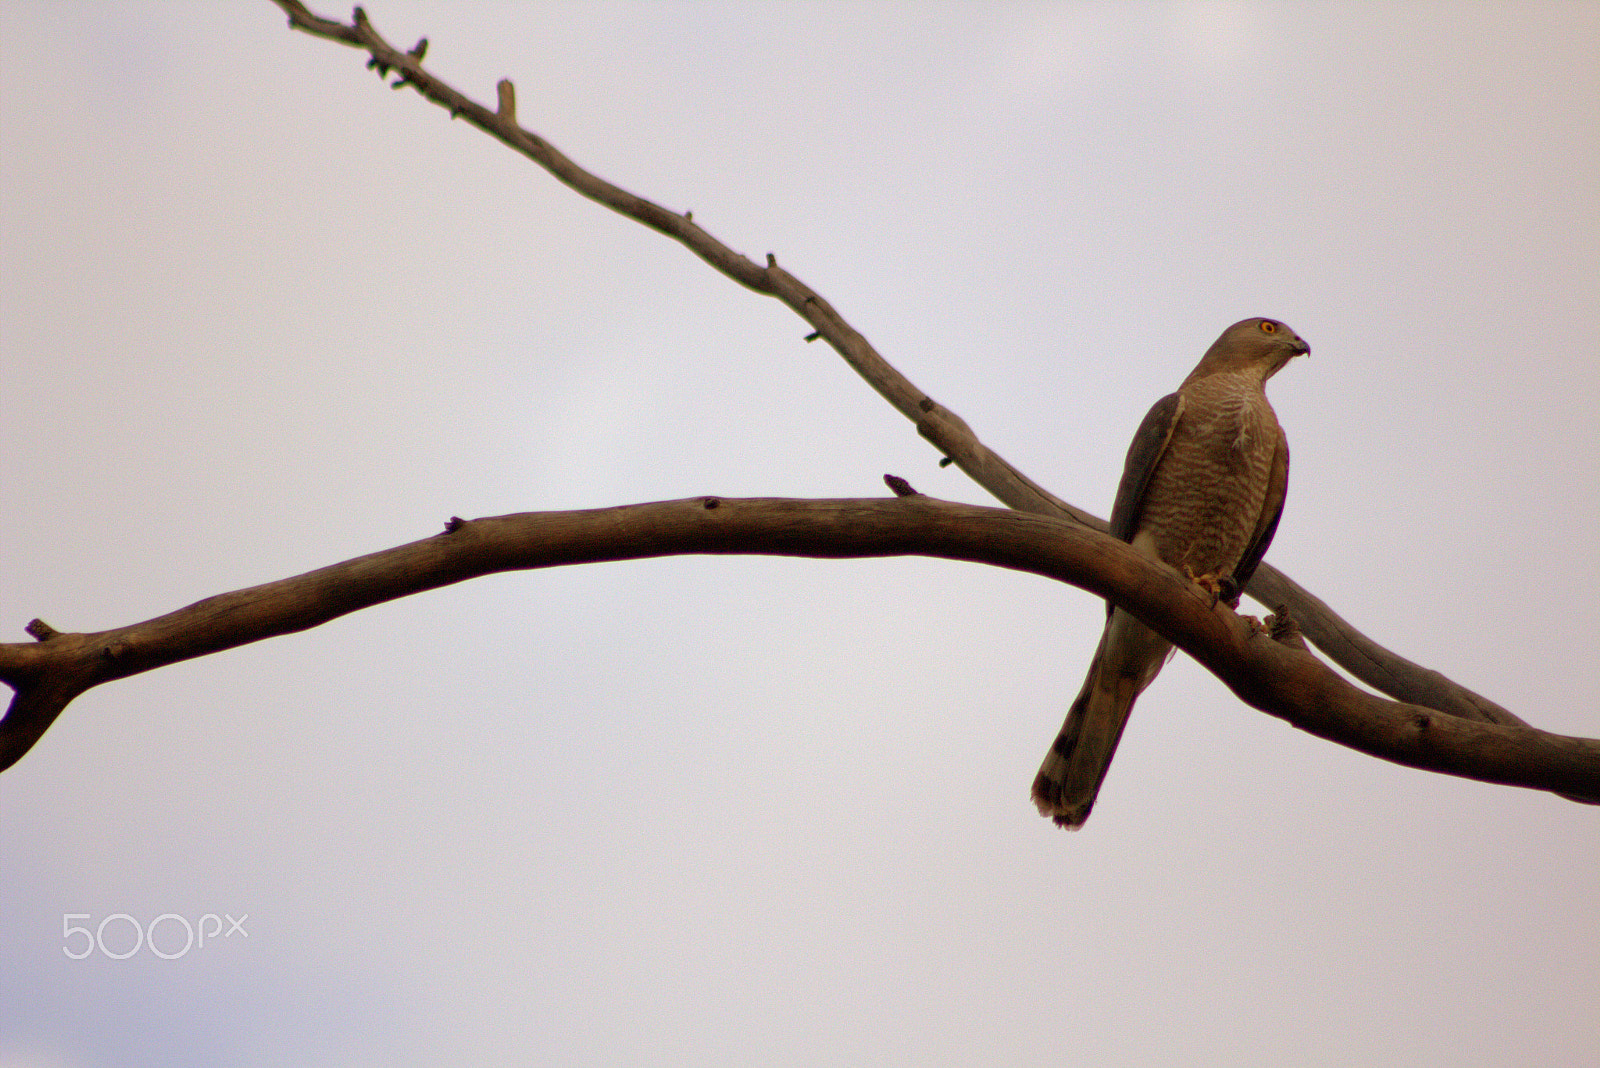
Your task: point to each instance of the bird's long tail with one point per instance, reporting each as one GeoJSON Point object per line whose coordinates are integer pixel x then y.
{"type": "Point", "coordinates": [1070, 777]}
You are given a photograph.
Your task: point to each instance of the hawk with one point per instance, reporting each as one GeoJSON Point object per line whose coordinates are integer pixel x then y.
{"type": "Point", "coordinates": [1202, 490]}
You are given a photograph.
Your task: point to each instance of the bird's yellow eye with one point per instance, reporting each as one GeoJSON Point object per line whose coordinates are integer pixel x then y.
{"type": "Point", "coordinates": [1268, 326]}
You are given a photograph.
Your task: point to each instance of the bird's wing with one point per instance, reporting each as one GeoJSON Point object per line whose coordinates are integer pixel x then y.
{"type": "Point", "coordinates": [1149, 445]}
{"type": "Point", "coordinates": [1271, 512]}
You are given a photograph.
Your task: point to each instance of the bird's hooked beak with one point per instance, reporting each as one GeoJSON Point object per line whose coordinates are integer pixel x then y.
{"type": "Point", "coordinates": [1301, 348]}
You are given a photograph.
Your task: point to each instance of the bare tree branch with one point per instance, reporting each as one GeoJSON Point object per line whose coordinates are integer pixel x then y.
{"type": "Point", "coordinates": [1364, 658]}
{"type": "Point", "coordinates": [1274, 674]}
{"type": "Point", "coordinates": [1476, 739]}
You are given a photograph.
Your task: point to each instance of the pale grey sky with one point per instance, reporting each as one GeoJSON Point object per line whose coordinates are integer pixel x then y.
{"type": "Point", "coordinates": [258, 313]}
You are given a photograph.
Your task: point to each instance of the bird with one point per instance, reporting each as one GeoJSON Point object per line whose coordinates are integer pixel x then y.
{"type": "Point", "coordinates": [1202, 489]}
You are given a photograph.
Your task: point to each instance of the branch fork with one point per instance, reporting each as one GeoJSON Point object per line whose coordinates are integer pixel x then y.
{"type": "Point", "coordinates": [1433, 722]}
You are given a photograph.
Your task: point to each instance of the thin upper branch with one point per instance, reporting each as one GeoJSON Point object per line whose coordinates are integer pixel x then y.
{"type": "Point", "coordinates": [1364, 658]}
{"type": "Point", "coordinates": [1276, 676]}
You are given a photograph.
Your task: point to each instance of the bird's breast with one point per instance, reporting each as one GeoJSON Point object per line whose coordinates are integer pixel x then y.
{"type": "Point", "coordinates": [1206, 494]}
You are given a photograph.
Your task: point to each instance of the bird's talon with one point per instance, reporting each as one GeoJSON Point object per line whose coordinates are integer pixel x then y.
{"type": "Point", "coordinates": [1208, 582]}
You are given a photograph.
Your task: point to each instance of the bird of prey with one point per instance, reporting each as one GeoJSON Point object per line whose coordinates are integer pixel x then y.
{"type": "Point", "coordinates": [1202, 490]}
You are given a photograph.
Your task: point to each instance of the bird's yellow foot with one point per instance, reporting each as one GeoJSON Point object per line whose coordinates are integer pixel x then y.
{"type": "Point", "coordinates": [1221, 587]}
{"type": "Point", "coordinates": [1210, 582]}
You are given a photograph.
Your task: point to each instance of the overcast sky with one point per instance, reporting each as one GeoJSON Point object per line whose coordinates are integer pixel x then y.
{"type": "Point", "coordinates": [259, 314]}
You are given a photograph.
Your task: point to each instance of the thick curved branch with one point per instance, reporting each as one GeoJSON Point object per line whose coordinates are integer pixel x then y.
{"type": "Point", "coordinates": [1277, 676]}
{"type": "Point", "coordinates": [1349, 648]}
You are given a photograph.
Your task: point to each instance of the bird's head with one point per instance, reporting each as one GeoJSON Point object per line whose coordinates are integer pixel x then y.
{"type": "Point", "coordinates": [1258, 345]}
